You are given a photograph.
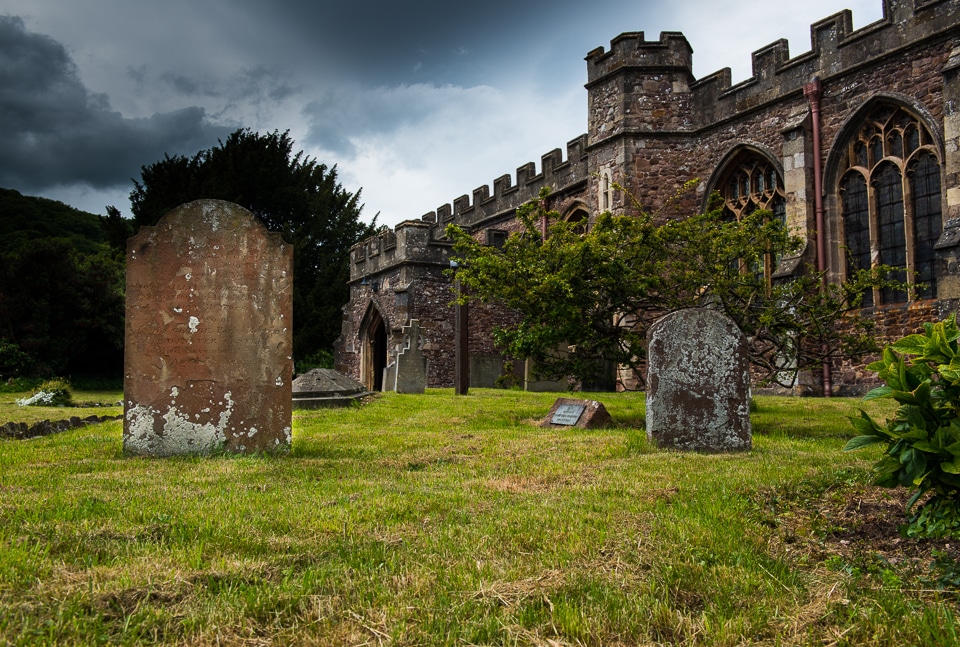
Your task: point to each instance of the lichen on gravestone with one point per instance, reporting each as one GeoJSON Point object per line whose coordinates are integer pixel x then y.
{"type": "Point", "coordinates": [698, 383]}
{"type": "Point", "coordinates": [208, 351]}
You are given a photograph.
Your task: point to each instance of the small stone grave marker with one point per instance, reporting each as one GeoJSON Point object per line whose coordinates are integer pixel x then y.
{"type": "Point", "coordinates": [568, 414]}
{"type": "Point", "coordinates": [585, 414]}
{"type": "Point", "coordinates": [411, 363]}
{"type": "Point", "coordinates": [698, 382]}
{"type": "Point", "coordinates": [208, 356]}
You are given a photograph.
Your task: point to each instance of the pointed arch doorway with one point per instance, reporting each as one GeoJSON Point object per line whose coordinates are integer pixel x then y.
{"type": "Point", "coordinates": [373, 349]}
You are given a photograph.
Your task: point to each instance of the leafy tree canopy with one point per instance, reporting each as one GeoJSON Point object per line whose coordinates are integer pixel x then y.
{"type": "Point", "coordinates": [588, 298]}
{"type": "Point", "coordinates": [61, 312]}
{"type": "Point", "coordinates": [61, 290]}
{"type": "Point", "coordinates": [292, 194]}
{"type": "Point", "coordinates": [25, 219]}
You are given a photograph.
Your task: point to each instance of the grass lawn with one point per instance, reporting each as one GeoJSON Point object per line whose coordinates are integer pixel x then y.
{"type": "Point", "coordinates": [444, 520]}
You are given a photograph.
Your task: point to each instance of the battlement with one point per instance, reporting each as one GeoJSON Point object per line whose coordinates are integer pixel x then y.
{"type": "Point", "coordinates": [410, 241]}
{"type": "Point", "coordinates": [423, 240]}
{"type": "Point", "coordinates": [836, 49]}
{"type": "Point", "coordinates": [507, 197]}
{"type": "Point", "coordinates": [632, 50]}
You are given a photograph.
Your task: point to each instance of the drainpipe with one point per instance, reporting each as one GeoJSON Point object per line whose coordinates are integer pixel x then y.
{"type": "Point", "coordinates": [545, 204]}
{"type": "Point", "coordinates": [813, 91]}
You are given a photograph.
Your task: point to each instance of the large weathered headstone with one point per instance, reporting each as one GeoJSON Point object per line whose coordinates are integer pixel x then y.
{"type": "Point", "coordinates": [698, 383]}
{"type": "Point", "coordinates": [208, 358]}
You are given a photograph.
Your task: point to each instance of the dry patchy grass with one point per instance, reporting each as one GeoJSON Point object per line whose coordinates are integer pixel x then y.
{"type": "Point", "coordinates": [451, 521]}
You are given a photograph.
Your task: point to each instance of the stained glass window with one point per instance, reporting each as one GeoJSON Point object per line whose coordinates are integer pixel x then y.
{"type": "Point", "coordinates": [876, 150]}
{"type": "Point", "coordinates": [883, 216]}
{"type": "Point", "coordinates": [860, 154]}
{"type": "Point", "coordinates": [892, 238]}
{"type": "Point", "coordinates": [925, 188]}
{"type": "Point", "coordinates": [856, 224]}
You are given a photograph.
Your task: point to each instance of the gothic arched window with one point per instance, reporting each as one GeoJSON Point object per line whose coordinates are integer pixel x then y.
{"type": "Point", "coordinates": [605, 189]}
{"type": "Point", "coordinates": [890, 201]}
{"type": "Point", "coordinates": [751, 182]}
{"type": "Point", "coordinates": [579, 218]}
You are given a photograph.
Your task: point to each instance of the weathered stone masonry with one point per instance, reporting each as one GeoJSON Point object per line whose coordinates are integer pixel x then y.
{"type": "Point", "coordinates": [652, 126]}
{"type": "Point", "coordinates": [400, 275]}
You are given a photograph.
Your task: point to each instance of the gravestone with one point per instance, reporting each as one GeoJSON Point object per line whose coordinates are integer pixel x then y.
{"type": "Point", "coordinates": [324, 387]}
{"type": "Point", "coordinates": [698, 383]}
{"type": "Point", "coordinates": [411, 363]}
{"type": "Point", "coordinates": [485, 370]}
{"type": "Point", "coordinates": [570, 412]}
{"type": "Point", "coordinates": [208, 357]}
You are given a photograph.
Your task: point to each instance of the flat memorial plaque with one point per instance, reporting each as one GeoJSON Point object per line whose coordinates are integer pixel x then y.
{"type": "Point", "coordinates": [585, 414]}
{"type": "Point", "coordinates": [567, 414]}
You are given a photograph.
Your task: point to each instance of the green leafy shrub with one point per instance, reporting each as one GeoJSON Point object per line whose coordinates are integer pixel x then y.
{"type": "Point", "coordinates": [13, 361]}
{"type": "Point", "coordinates": [20, 384]}
{"type": "Point", "coordinates": [320, 359]}
{"type": "Point", "coordinates": [55, 392]}
{"type": "Point", "coordinates": [922, 373]}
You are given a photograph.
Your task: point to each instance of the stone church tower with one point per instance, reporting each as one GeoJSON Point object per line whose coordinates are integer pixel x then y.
{"type": "Point", "coordinates": [854, 144]}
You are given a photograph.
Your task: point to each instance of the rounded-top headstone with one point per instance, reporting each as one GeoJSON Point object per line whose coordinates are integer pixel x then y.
{"type": "Point", "coordinates": [698, 382]}
{"type": "Point", "coordinates": [208, 347]}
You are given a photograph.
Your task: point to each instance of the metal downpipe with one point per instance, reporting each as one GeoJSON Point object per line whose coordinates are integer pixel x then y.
{"type": "Point", "coordinates": [813, 91]}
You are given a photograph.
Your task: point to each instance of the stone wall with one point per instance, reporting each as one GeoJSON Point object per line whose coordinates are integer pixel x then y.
{"type": "Point", "coordinates": [401, 273]}
{"type": "Point", "coordinates": [652, 126]}
{"type": "Point", "coordinates": [891, 323]}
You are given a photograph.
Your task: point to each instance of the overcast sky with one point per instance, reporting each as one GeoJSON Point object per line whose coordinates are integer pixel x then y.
{"type": "Point", "coordinates": [416, 102]}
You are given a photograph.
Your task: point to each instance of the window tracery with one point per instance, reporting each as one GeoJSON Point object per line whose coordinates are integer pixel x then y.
{"type": "Point", "coordinates": [751, 182]}
{"type": "Point", "coordinates": [891, 202]}
{"type": "Point", "coordinates": [579, 218]}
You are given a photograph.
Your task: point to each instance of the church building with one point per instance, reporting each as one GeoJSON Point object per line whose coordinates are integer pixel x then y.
{"type": "Point", "coordinates": [855, 145]}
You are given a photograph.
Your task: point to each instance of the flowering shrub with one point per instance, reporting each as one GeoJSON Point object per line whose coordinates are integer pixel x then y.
{"type": "Point", "coordinates": [52, 393]}
{"type": "Point", "coordinates": [922, 373]}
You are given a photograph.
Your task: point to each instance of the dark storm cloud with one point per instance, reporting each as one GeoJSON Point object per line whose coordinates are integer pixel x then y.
{"type": "Point", "coordinates": [181, 84]}
{"type": "Point", "coordinates": [53, 131]}
{"type": "Point", "coordinates": [421, 41]}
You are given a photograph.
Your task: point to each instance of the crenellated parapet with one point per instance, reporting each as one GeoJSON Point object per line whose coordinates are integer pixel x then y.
{"type": "Point", "coordinates": [409, 242]}
{"type": "Point", "coordinates": [631, 50]}
{"type": "Point", "coordinates": [555, 172]}
{"type": "Point", "coordinates": [423, 241]}
{"type": "Point", "coordinates": [836, 49]}
{"type": "Point", "coordinates": [664, 96]}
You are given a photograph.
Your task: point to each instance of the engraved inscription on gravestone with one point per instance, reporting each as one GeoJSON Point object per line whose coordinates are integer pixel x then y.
{"type": "Point", "coordinates": [208, 352]}
{"type": "Point", "coordinates": [567, 414]}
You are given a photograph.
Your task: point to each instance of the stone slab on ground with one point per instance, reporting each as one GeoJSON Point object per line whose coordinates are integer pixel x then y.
{"type": "Point", "coordinates": [571, 412]}
{"type": "Point", "coordinates": [22, 430]}
{"type": "Point", "coordinates": [324, 387]}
